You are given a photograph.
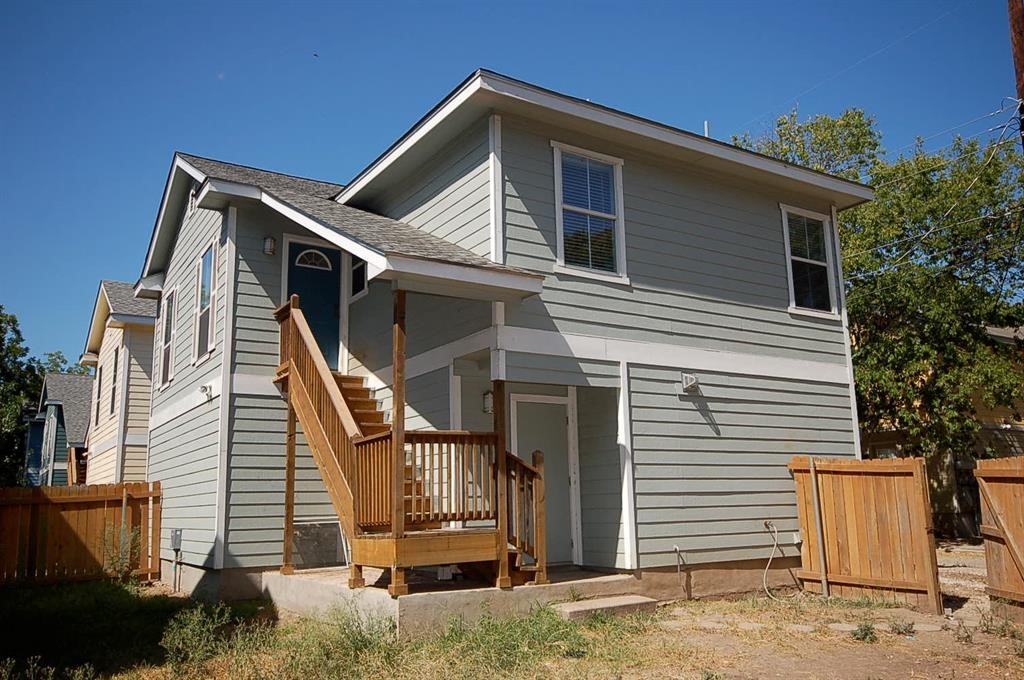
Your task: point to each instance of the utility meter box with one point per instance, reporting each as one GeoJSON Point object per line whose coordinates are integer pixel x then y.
{"type": "Point", "coordinates": [175, 539]}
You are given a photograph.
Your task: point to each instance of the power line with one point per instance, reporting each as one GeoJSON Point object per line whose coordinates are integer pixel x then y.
{"type": "Point", "coordinates": [850, 67]}
{"type": "Point", "coordinates": [935, 231]}
{"type": "Point", "coordinates": [990, 114]}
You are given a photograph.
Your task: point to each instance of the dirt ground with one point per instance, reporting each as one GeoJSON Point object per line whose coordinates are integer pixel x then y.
{"type": "Point", "coordinates": [757, 638]}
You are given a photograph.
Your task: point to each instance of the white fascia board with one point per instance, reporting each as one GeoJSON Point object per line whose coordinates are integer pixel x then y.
{"type": "Point", "coordinates": [523, 284]}
{"type": "Point", "coordinates": [455, 100]}
{"type": "Point", "coordinates": [118, 320]}
{"type": "Point", "coordinates": [375, 259]}
{"type": "Point", "coordinates": [652, 130]}
{"type": "Point", "coordinates": [97, 323]}
{"type": "Point", "coordinates": [219, 188]}
{"type": "Point", "coordinates": [177, 164]}
{"type": "Point", "coordinates": [88, 359]}
{"type": "Point", "coordinates": [496, 84]}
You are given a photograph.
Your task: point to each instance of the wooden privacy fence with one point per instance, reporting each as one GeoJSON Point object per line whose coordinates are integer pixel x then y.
{"type": "Point", "coordinates": [73, 533]}
{"type": "Point", "coordinates": [866, 526]}
{"type": "Point", "coordinates": [1001, 483]}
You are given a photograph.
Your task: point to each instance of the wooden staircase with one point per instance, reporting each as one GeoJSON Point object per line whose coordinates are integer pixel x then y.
{"type": "Point", "coordinates": [396, 491]}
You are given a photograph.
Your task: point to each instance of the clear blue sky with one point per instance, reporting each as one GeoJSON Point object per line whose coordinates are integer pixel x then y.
{"type": "Point", "coordinates": [96, 97]}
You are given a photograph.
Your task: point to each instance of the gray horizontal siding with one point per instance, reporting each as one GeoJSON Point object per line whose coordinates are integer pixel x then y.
{"type": "Point", "coordinates": [705, 257]}
{"type": "Point", "coordinates": [431, 321]}
{"type": "Point", "coordinates": [600, 478]}
{"type": "Point", "coordinates": [448, 195]}
{"type": "Point", "coordinates": [710, 466]}
{"type": "Point", "coordinates": [256, 477]}
{"type": "Point", "coordinates": [553, 370]}
{"type": "Point", "coordinates": [427, 405]}
{"type": "Point", "coordinates": [184, 452]}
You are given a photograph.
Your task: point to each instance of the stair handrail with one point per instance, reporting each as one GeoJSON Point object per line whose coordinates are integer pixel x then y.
{"type": "Point", "coordinates": [526, 510]}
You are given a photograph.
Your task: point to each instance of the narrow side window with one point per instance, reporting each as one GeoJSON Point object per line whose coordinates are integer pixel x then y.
{"type": "Point", "coordinates": [809, 260]}
{"type": "Point", "coordinates": [204, 327]}
{"type": "Point", "coordinates": [113, 382]}
{"type": "Point", "coordinates": [167, 339]}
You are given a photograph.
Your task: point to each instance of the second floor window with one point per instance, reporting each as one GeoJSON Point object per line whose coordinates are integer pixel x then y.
{"type": "Point", "coordinates": [99, 389]}
{"type": "Point", "coordinates": [809, 253]}
{"type": "Point", "coordinates": [167, 335]}
{"type": "Point", "coordinates": [204, 321]}
{"type": "Point", "coordinates": [589, 210]}
{"type": "Point", "coordinates": [113, 382]}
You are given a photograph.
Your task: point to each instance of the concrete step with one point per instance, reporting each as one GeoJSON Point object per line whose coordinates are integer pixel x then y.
{"type": "Point", "coordinates": [616, 606]}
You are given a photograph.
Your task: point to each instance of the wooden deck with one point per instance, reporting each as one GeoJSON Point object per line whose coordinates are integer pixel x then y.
{"type": "Point", "coordinates": [397, 492]}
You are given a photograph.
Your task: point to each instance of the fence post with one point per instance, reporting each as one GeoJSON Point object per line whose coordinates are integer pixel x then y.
{"type": "Point", "coordinates": [819, 529]}
{"type": "Point", "coordinates": [928, 541]}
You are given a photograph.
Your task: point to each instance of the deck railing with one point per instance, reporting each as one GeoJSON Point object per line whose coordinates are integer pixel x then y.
{"type": "Point", "coordinates": [527, 520]}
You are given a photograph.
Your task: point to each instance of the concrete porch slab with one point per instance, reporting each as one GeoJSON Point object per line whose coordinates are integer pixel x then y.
{"type": "Point", "coordinates": [315, 591]}
{"type": "Point", "coordinates": [616, 605]}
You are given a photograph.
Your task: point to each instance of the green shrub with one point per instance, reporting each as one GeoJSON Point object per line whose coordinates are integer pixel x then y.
{"type": "Point", "coordinates": [120, 551]}
{"type": "Point", "coordinates": [865, 632]}
{"type": "Point", "coordinates": [901, 627]}
{"type": "Point", "coordinates": [196, 634]}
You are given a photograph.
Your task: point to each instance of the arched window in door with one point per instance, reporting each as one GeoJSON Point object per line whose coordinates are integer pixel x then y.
{"type": "Point", "coordinates": [313, 259]}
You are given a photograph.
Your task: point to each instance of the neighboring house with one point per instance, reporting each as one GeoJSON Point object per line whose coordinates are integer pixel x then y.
{"type": "Point", "coordinates": [34, 424]}
{"type": "Point", "coordinates": [64, 410]}
{"type": "Point", "coordinates": [119, 346]}
{"type": "Point", "coordinates": [956, 503]}
{"type": "Point", "coordinates": [661, 314]}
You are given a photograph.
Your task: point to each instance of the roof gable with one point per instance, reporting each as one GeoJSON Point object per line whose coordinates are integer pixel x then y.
{"type": "Point", "coordinates": [74, 394]}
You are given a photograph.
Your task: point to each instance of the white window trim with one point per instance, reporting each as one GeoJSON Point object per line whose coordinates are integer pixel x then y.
{"type": "Point", "coordinates": [620, 275]}
{"type": "Point", "coordinates": [828, 228]}
{"type": "Point", "coordinates": [211, 340]}
{"type": "Point", "coordinates": [173, 295]}
{"type": "Point", "coordinates": [366, 284]}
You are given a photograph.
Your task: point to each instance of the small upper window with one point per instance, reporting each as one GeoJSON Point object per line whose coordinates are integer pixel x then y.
{"type": "Point", "coordinates": [99, 385]}
{"type": "Point", "coordinates": [589, 214]}
{"type": "Point", "coordinates": [313, 259]}
{"type": "Point", "coordinates": [359, 284]}
{"type": "Point", "coordinates": [809, 252]}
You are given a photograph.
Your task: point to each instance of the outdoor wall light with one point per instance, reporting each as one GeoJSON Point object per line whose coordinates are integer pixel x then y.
{"type": "Point", "coordinates": [269, 245]}
{"type": "Point", "coordinates": [489, 402]}
{"type": "Point", "coordinates": [688, 384]}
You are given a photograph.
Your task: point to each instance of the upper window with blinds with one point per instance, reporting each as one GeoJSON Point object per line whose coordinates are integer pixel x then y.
{"type": "Point", "coordinates": [588, 193]}
{"type": "Point", "coordinates": [809, 255]}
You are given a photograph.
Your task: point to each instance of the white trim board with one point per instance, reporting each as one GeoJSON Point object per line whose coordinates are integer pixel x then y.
{"type": "Point", "coordinates": [625, 441]}
{"type": "Point", "coordinates": [846, 333]}
{"type": "Point", "coordinates": [532, 341]}
{"type": "Point", "coordinates": [343, 313]}
{"type": "Point", "coordinates": [227, 356]}
{"type": "Point", "coordinates": [183, 404]}
{"type": "Point", "coordinates": [572, 450]}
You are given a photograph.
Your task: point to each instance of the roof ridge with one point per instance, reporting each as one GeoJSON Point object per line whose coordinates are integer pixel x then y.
{"type": "Point", "coordinates": [253, 167]}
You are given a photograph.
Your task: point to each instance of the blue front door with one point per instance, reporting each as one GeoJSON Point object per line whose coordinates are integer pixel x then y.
{"type": "Point", "coordinates": [314, 274]}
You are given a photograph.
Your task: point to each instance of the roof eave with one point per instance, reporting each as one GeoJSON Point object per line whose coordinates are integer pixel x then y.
{"type": "Point", "coordinates": [842, 192]}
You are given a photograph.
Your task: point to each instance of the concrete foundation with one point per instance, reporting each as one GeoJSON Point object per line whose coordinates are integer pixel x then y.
{"type": "Point", "coordinates": [432, 603]}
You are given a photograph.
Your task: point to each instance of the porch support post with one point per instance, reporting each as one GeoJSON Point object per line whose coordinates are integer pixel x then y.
{"type": "Point", "coordinates": [498, 390]}
{"type": "Point", "coordinates": [398, 585]}
{"type": "Point", "coordinates": [287, 566]}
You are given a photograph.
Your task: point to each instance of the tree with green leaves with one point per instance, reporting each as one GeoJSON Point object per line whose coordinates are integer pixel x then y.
{"type": "Point", "coordinates": [930, 264]}
{"type": "Point", "coordinates": [21, 380]}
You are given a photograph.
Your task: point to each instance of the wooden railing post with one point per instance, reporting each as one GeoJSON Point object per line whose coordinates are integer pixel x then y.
{"type": "Point", "coordinates": [540, 530]}
{"type": "Point", "coordinates": [504, 580]}
{"type": "Point", "coordinates": [287, 565]}
{"type": "Point", "coordinates": [398, 585]}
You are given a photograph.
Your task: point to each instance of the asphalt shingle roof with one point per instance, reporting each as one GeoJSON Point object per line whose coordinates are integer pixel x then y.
{"type": "Point", "coordinates": [271, 181]}
{"type": "Point", "coordinates": [313, 198]}
{"type": "Point", "coordinates": [121, 297]}
{"type": "Point", "coordinates": [74, 392]}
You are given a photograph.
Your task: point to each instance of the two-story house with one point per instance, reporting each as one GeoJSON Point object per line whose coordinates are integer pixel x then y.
{"type": "Point", "coordinates": [659, 314]}
{"type": "Point", "coordinates": [119, 346]}
{"type": "Point", "coordinates": [57, 434]}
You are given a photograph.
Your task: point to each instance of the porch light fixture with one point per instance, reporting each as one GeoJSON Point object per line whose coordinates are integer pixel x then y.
{"type": "Point", "coordinates": [269, 245]}
{"type": "Point", "coordinates": [688, 383]}
{"type": "Point", "coordinates": [489, 402]}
